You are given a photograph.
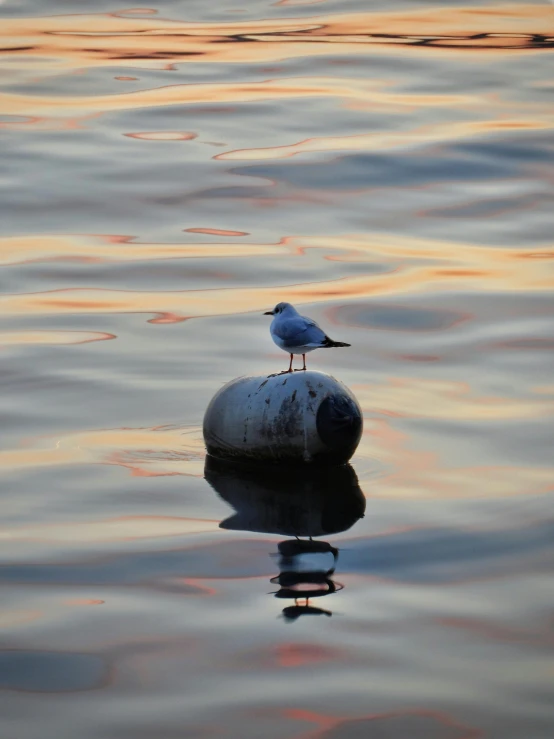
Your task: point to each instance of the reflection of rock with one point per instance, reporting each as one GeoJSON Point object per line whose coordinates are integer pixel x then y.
{"type": "Point", "coordinates": [288, 502]}
{"type": "Point", "coordinates": [293, 502]}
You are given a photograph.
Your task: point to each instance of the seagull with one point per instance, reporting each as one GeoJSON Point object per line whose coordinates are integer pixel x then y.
{"type": "Point", "coordinates": [296, 334]}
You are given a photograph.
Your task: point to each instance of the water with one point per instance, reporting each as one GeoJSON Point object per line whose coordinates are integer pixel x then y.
{"type": "Point", "coordinates": [169, 173]}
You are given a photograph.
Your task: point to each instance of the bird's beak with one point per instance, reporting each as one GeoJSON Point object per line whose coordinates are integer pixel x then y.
{"type": "Point", "coordinates": [269, 313]}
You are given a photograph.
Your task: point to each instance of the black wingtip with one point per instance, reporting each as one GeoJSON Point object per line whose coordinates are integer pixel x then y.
{"type": "Point", "coordinates": [330, 344]}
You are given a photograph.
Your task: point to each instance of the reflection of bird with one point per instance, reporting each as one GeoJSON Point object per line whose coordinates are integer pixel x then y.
{"type": "Point", "coordinates": [298, 583]}
{"type": "Point", "coordinates": [297, 334]}
{"type": "Point", "coordinates": [311, 502]}
{"type": "Point", "coordinates": [291, 613]}
{"type": "Point", "coordinates": [290, 549]}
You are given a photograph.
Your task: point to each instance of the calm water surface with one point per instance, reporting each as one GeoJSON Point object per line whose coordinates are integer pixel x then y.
{"type": "Point", "coordinates": [168, 174]}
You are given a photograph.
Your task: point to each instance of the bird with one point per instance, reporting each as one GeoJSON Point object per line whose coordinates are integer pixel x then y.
{"type": "Point", "coordinates": [296, 334]}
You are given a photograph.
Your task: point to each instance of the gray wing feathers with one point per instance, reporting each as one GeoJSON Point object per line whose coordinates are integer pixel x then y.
{"type": "Point", "coordinates": [299, 331]}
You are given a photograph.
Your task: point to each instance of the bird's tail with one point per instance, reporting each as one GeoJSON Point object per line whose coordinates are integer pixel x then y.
{"type": "Point", "coordinates": [330, 344]}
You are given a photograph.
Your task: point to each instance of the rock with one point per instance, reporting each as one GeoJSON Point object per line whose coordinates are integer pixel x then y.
{"type": "Point", "coordinates": [299, 418]}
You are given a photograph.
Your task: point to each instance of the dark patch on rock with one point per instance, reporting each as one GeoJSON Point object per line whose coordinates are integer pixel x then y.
{"type": "Point", "coordinates": [339, 423]}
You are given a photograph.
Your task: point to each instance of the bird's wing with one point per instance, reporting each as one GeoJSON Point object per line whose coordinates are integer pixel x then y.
{"type": "Point", "coordinates": [299, 331]}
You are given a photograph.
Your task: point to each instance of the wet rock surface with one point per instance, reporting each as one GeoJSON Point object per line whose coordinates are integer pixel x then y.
{"type": "Point", "coordinates": [302, 418]}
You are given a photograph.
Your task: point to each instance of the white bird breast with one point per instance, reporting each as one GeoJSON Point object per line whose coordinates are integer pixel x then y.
{"type": "Point", "coordinates": [296, 349]}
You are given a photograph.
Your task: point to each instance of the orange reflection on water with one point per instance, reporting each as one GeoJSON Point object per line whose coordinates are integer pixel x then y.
{"type": "Point", "coordinates": [290, 654]}
{"type": "Point", "coordinates": [49, 123]}
{"type": "Point", "coordinates": [85, 602]}
{"type": "Point", "coordinates": [8, 338]}
{"type": "Point", "coordinates": [542, 637]}
{"type": "Point", "coordinates": [135, 11]}
{"type": "Point", "coordinates": [216, 232]}
{"type": "Point", "coordinates": [124, 528]}
{"type": "Point", "coordinates": [412, 397]}
{"type": "Point", "coordinates": [118, 247]}
{"type": "Point", "coordinates": [148, 452]}
{"type": "Point", "coordinates": [404, 722]}
{"type": "Point", "coordinates": [126, 38]}
{"type": "Point", "coordinates": [543, 390]}
{"type": "Point", "coordinates": [387, 141]}
{"type": "Point", "coordinates": [23, 105]}
{"type": "Point", "coordinates": [420, 473]}
{"type": "Point", "coordinates": [432, 267]}
{"type": "Point", "coordinates": [167, 317]}
{"type": "Point", "coordinates": [299, 2]}
{"type": "Point", "coordinates": [14, 619]}
{"type": "Point", "coordinates": [163, 135]}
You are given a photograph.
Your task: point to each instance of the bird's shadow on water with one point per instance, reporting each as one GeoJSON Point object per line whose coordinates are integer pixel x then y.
{"type": "Point", "coordinates": [294, 503]}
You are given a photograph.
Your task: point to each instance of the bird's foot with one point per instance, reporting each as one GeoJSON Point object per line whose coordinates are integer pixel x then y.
{"type": "Point", "coordinates": [301, 369]}
{"type": "Point", "coordinates": [278, 374]}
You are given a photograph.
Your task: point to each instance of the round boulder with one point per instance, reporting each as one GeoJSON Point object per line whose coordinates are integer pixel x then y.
{"type": "Point", "coordinates": [299, 418]}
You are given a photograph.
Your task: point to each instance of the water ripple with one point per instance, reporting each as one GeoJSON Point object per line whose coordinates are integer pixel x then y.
{"type": "Point", "coordinates": [169, 174]}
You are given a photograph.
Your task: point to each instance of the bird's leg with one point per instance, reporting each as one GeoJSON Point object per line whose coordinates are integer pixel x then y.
{"type": "Point", "coordinates": [284, 372]}
{"type": "Point", "coordinates": [304, 367]}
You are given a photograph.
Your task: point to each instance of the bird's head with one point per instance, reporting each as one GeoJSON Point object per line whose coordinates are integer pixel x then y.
{"type": "Point", "coordinates": [280, 308]}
